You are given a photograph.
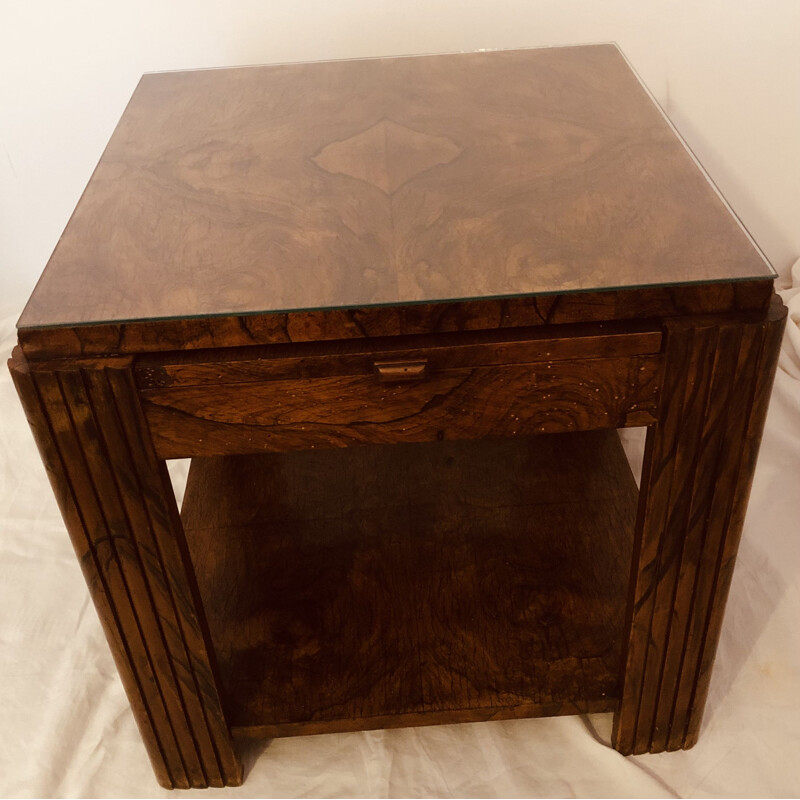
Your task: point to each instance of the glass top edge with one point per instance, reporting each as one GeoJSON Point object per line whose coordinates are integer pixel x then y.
{"type": "Point", "coordinates": [392, 304]}
{"type": "Point", "coordinates": [699, 164]}
{"type": "Point", "coordinates": [769, 272]}
{"type": "Point", "coordinates": [477, 51]}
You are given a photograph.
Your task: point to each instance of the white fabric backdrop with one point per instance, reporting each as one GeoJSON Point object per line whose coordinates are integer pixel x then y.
{"type": "Point", "coordinates": [66, 729]}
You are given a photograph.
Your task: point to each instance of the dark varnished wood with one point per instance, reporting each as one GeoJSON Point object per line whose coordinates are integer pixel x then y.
{"type": "Point", "coordinates": [699, 465]}
{"type": "Point", "coordinates": [306, 194]}
{"type": "Point", "coordinates": [119, 509]}
{"type": "Point", "coordinates": [470, 386]}
{"type": "Point", "coordinates": [369, 323]}
{"type": "Point", "coordinates": [418, 319]}
{"type": "Point", "coordinates": [375, 253]}
{"type": "Point", "coordinates": [386, 586]}
{"type": "Point", "coordinates": [358, 357]}
{"type": "Point", "coordinates": [462, 403]}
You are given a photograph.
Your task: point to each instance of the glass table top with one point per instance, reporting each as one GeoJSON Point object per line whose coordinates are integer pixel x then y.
{"type": "Point", "coordinates": [388, 181]}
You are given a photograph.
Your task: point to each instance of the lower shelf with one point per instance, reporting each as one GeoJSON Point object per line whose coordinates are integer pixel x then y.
{"type": "Point", "coordinates": [414, 584]}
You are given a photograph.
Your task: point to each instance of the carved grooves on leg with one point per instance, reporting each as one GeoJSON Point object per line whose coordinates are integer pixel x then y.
{"type": "Point", "coordinates": [187, 637]}
{"type": "Point", "coordinates": [767, 340]}
{"type": "Point", "coordinates": [51, 424]}
{"type": "Point", "coordinates": [651, 574]}
{"type": "Point", "coordinates": [115, 499]}
{"type": "Point", "coordinates": [694, 491]}
{"type": "Point", "coordinates": [691, 400]}
{"type": "Point", "coordinates": [110, 536]}
{"type": "Point", "coordinates": [727, 416]}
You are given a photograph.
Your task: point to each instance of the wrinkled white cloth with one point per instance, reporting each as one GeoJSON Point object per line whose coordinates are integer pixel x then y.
{"type": "Point", "coordinates": [66, 729]}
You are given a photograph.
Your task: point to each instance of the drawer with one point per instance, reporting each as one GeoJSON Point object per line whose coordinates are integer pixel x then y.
{"type": "Point", "coordinates": [293, 397]}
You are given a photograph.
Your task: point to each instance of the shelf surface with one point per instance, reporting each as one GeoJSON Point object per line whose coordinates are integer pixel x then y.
{"type": "Point", "coordinates": [414, 584]}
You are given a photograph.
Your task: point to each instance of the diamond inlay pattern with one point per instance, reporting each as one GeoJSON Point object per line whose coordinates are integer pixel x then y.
{"type": "Point", "coordinates": [387, 155]}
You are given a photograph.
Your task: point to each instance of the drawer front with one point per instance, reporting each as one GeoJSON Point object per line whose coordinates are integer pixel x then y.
{"type": "Point", "coordinates": [312, 360]}
{"type": "Point", "coordinates": [389, 405]}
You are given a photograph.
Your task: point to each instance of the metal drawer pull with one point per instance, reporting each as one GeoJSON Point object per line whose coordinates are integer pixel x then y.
{"type": "Point", "coordinates": [397, 371]}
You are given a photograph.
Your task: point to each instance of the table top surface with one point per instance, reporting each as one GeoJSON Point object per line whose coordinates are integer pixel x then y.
{"type": "Point", "coordinates": [387, 181]}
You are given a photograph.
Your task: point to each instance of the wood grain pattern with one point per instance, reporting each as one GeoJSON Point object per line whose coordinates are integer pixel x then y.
{"type": "Point", "coordinates": [378, 322]}
{"type": "Point", "coordinates": [343, 185]}
{"type": "Point", "coordinates": [526, 233]}
{"type": "Point", "coordinates": [358, 357]}
{"type": "Point", "coordinates": [119, 509]}
{"type": "Point", "coordinates": [386, 586]}
{"type": "Point", "coordinates": [462, 403]}
{"type": "Point", "coordinates": [699, 464]}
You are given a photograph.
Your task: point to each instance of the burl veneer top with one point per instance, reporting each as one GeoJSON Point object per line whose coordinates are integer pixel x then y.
{"type": "Point", "coordinates": [387, 181]}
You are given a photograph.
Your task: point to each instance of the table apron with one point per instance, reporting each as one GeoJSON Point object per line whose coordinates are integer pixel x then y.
{"type": "Point", "coordinates": [461, 403]}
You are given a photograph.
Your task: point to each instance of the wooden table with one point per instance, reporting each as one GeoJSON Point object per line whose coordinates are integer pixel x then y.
{"type": "Point", "coordinates": [394, 309]}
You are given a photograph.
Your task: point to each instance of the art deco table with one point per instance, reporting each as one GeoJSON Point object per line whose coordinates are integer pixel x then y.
{"type": "Point", "coordinates": [394, 310]}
